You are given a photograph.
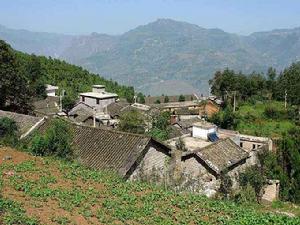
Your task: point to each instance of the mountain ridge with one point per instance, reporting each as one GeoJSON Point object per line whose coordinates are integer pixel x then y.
{"type": "Point", "coordinates": [165, 50]}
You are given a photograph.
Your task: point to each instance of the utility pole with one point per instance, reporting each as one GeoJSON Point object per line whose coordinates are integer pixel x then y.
{"type": "Point", "coordinates": [234, 101]}
{"type": "Point", "coordinates": [94, 118]}
{"type": "Point", "coordinates": [60, 100]}
{"type": "Point", "coordinates": [135, 98]}
{"type": "Point", "coordinates": [285, 99]}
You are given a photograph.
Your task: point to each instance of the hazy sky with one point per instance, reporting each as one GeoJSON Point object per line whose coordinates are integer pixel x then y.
{"type": "Point", "coordinates": [118, 16]}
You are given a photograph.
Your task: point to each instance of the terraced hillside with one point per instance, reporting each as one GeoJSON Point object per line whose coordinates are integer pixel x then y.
{"type": "Point", "coordinates": [49, 191]}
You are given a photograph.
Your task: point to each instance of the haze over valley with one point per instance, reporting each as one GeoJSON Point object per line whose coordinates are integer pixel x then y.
{"type": "Point", "coordinates": [155, 57]}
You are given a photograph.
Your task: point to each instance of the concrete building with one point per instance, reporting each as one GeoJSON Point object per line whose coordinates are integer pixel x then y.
{"type": "Point", "coordinates": [98, 98]}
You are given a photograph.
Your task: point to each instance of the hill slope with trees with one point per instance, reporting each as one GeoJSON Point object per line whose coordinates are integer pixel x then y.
{"type": "Point", "coordinates": [23, 78]}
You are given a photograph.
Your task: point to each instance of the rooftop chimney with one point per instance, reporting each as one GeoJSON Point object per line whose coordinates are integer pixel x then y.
{"type": "Point", "coordinates": [98, 88]}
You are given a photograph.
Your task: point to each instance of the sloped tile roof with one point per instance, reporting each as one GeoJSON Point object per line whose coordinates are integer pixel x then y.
{"type": "Point", "coordinates": [104, 149]}
{"type": "Point", "coordinates": [100, 148]}
{"type": "Point", "coordinates": [47, 106]}
{"type": "Point", "coordinates": [221, 155]}
{"type": "Point", "coordinates": [24, 122]}
{"type": "Point", "coordinates": [185, 124]}
{"type": "Point", "coordinates": [115, 108]}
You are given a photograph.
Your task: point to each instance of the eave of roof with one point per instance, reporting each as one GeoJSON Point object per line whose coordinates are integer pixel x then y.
{"type": "Point", "coordinates": [103, 95]}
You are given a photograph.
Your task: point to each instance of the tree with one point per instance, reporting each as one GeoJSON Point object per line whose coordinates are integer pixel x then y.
{"type": "Point", "coordinates": [36, 76]}
{"type": "Point", "coordinates": [160, 123]}
{"type": "Point", "coordinates": [181, 98]}
{"type": "Point", "coordinates": [56, 141]}
{"type": "Point", "coordinates": [132, 121]}
{"type": "Point", "coordinates": [8, 131]}
{"type": "Point", "coordinates": [68, 103]}
{"type": "Point", "coordinates": [225, 119]}
{"type": "Point", "coordinates": [166, 100]}
{"type": "Point", "coordinates": [157, 101]}
{"type": "Point", "coordinates": [254, 177]}
{"type": "Point", "coordinates": [14, 89]}
{"type": "Point", "coordinates": [141, 98]}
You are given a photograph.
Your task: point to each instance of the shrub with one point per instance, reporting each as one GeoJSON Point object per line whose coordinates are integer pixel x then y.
{"type": "Point", "coordinates": [246, 195]}
{"type": "Point", "coordinates": [133, 122]}
{"type": "Point", "coordinates": [226, 185]}
{"type": "Point", "coordinates": [39, 145]}
{"type": "Point", "coordinates": [56, 141]}
{"type": "Point", "coordinates": [253, 176]}
{"type": "Point", "coordinates": [181, 98]}
{"type": "Point", "coordinates": [8, 132]}
{"type": "Point", "coordinates": [160, 126]}
{"type": "Point", "coordinates": [271, 113]}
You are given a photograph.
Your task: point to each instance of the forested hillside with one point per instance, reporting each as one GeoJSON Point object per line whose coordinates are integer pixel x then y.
{"type": "Point", "coordinates": [23, 78]}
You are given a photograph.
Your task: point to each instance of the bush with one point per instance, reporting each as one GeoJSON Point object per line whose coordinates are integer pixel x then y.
{"type": "Point", "coordinates": [246, 195]}
{"type": "Point", "coordinates": [181, 98]}
{"type": "Point", "coordinates": [272, 113]}
{"type": "Point", "coordinates": [226, 185]}
{"type": "Point", "coordinates": [56, 141]}
{"type": "Point", "coordinates": [253, 177]}
{"type": "Point", "coordinates": [8, 132]}
{"type": "Point", "coordinates": [39, 146]}
{"type": "Point", "coordinates": [133, 122]}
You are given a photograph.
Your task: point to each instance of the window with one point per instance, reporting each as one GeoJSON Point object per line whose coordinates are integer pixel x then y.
{"type": "Point", "coordinates": [241, 144]}
{"type": "Point", "coordinates": [83, 98]}
{"type": "Point", "coordinates": [253, 146]}
{"type": "Point", "coordinates": [97, 101]}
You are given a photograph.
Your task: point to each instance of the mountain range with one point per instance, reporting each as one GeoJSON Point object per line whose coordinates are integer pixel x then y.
{"type": "Point", "coordinates": [165, 56]}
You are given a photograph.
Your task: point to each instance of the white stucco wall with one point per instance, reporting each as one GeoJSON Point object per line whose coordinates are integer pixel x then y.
{"type": "Point", "coordinates": [202, 133]}
{"type": "Point", "coordinates": [93, 102]}
{"type": "Point", "coordinates": [51, 93]}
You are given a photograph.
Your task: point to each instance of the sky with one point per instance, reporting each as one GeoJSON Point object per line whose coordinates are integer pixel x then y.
{"type": "Point", "coordinates": [119, 16]}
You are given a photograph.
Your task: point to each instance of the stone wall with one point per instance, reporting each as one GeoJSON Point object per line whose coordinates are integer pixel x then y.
{"type": "Point", "coordinates": [185, 174]}
{"type": "Point", "coordinates": [153, 168]}
{"type": "Point", "coordinates": [196, 178]}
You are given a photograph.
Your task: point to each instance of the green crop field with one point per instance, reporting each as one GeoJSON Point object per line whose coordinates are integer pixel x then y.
{"type": "Point", "coordinates": [38, 190]}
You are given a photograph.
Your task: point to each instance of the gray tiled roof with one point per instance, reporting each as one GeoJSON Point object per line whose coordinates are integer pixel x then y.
{"type": "Point", "coordinates": [100, 148]}
{"type": "Point", "coordinates": [104, 149]}
{"type": "Point", "coordinates": [115, 108]}
{"type": "Point", "coordinates": [221, 155]}
{"type": "Point", "coordinates": [24, 122]}
{"type": "Point", "coordinates": [47, 106]}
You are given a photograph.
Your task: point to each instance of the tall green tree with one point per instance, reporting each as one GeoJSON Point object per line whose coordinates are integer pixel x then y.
{"type": "Point", "coordinates": [181, 98]}
{"type": "Point", "coordinates": [133, 122]}
{"type": "Point", "coordinates": [15, 92]}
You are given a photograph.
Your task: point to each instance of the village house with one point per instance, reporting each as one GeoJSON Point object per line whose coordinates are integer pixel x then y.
{"type": "Point", "coordinates": [46, 107]}
{"type": "Point", "coordinates": [208, 153]}
{"type": "Point", "coordinates": [98, 98]}
{"type": "Point", "coordinates": [50, 105]}
{"type": "Point", "coordinates": [132, 156]}
{"type": "Point", "coordinates": [209, 109]}
{"type": "Point", "coordinates": [26, 124]}
{"type": "Point", "coordinates": [51, 90]}
{"type": "Point", "coordinates": [140, 157]}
